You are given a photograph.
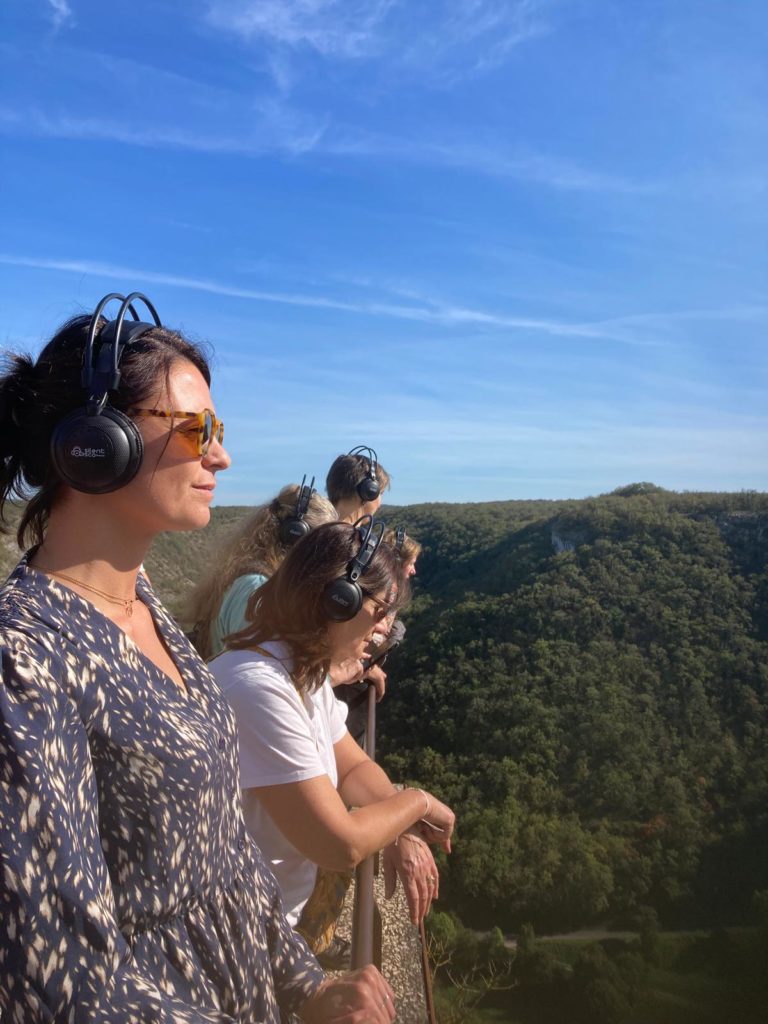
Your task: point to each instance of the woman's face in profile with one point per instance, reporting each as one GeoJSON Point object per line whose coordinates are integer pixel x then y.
{"type": "Point", "coordinates": [350, 639]}
{"type": "Point", "coordinates": [174, 487]}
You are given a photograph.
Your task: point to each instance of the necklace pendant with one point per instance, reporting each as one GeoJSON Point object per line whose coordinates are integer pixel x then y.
{"type": "Point", "coordinates": [129, 608]}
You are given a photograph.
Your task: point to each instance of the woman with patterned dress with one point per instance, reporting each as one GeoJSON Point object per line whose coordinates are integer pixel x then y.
{"type": "Point", "coordinates": [130, 890]}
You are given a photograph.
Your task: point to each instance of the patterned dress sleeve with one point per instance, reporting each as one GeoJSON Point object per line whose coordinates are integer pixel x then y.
{"type": "Point", "coordinates": [62, 955]}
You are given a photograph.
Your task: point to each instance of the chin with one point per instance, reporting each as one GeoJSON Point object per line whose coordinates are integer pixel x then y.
{"type": "Point", "coordinates": [195, 521]}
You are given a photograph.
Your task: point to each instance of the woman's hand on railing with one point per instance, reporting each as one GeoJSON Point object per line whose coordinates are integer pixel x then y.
{"type": "Point", "coordinates": [349, 671]}
{"type": "Point", "coordinates": [376, 675]}
{"type": "Point", "coordinates": [354, 998]}
{"type": "Point", "coordinates": [436, 826]}
{"type": "Point", "coordinates": [411, 860]}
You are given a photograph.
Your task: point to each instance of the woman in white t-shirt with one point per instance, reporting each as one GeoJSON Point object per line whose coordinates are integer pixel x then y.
{"type": "Point", "coordinates": [246, 559]}
{"type": "Point", "coordinates": [299, 767]}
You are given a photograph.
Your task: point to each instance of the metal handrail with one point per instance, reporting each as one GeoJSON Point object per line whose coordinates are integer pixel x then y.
{"type": "Point", "coordinates": [366, 920]}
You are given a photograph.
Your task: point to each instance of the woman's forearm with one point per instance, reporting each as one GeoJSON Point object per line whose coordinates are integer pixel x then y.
{"type": "Point", "coordinates": [377, 824]}
{"type": "Point", "coordinates": [365, 783]}
{"type": "Point", "coordinates": [314, 818]}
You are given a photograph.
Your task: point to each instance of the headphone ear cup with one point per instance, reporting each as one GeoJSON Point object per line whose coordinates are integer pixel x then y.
{"type": "Point", "coordinates": [293, 529]}
{"type": "Point", "coordinates": [368, 489]}
{"type": "Point", "coordinates": [342, 600]}
{"type": "Point", "coordinates": [97, 454]}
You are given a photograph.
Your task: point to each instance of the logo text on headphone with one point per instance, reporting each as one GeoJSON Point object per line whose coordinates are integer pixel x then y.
{"type": "Point", "coordinates": [87, 453]}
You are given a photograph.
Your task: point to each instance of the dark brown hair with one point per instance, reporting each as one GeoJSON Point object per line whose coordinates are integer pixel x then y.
{"type": "Point", "coordinates": [36, 394]}
{"type": "Point", "coordinates": [345, 474]}
{"type": "Point", "coordinates": [289, 607]}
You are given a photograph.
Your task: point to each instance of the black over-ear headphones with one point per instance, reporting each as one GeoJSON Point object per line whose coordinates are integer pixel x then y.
{"type": "Point", "coordinates": [295, 526]}
{"type": "Point", "coordinates": [369, 487]}
{"type": "Point", "coordinates": [97, 448]}
{"type": "Point", "coordinates": [343, 597]}
{"type": "Point", "coordinates": [400, 536]}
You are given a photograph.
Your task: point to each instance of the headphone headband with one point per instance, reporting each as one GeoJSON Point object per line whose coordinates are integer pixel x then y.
{"type": "Point", "coordinates": [102, 376]}
{"type": "Point", "coordinates": [371, 532]}
{"type": "Point", "coordinates": [343, 597]}
{"type": "Point", "coordinates": [305, 496]}
{"type": "Point", "coordinates": [369, 454]}
{"type": "Point", "coordinates": [294, 526]}
{"type": "Point", "coordinates": [368, 488]}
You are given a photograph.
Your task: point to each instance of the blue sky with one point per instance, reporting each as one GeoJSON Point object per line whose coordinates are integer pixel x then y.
{"type": "Point", "coordinates": [518, 246]}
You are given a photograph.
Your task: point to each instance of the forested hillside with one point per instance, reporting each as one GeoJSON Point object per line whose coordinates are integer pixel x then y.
{"type": "Point", "coordinates": [586, 683]}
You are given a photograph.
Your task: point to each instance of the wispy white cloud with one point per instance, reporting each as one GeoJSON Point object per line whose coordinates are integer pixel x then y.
{"type": "Point", "coordinates": [273, 127]}
{"type": "Point", "coordinates": [334, 28]}
{"type": "Point", "coordinates": [436, 314]}
{"type": "Point", "coordinates": [61, 13]}
{"type": "Point", "coordinates": [266, 132]}
{"type": "Point", "coordinates": [648, 329]}
{"type": "Point", "coordinates": [487, 160]}
{"type": "Point", "coordinates": [443, 39]}
{"type": "Point", "coordinates": [116, 99]}
{"type": "Point", "coordinates": [477, 35]}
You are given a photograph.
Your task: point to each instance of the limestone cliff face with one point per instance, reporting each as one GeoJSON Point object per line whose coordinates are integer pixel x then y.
{"type": "Point", "coordinates": [562, 543]}
{"type": "Point", "coordinates": [565, 538]}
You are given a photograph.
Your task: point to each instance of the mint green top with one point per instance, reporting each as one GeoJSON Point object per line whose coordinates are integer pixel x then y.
{"type": "Point", "coordinates": [231, 617]}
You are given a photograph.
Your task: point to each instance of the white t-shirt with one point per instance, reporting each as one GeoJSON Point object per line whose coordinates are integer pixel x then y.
{"type": "Point", "coordinates": [283, 738]}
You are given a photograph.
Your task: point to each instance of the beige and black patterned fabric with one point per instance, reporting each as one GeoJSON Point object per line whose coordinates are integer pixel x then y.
{"type": "Point", "coordinates": [129, 888]}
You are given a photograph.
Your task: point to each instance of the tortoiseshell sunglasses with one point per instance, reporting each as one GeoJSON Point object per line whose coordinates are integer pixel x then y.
{"type": "Point", "coordinates": [206, 427]}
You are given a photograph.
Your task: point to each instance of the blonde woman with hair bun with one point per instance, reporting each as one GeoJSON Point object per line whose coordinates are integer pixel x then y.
{"type": "Point", "coordinates": [247, 558]}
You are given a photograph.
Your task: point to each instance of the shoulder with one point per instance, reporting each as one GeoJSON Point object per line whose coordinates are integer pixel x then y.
{"type": "Point", "coordinates": [32, 666]}
{"type": "Point", "coordinates": [264, 671]}
{"type": "Point", "coordinates": [243, 587]}
{"type": "Point", "coordinates": [31, 619]}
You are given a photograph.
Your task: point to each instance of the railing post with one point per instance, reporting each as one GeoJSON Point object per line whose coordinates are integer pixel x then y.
{"type": "Point", "coordinates": [426, 972]}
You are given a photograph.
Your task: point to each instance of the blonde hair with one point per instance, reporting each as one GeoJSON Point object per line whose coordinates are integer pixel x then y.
{"type": "Point", "coordinates": [254, 547]}
{"type": "Point", "coordinates": [408, 550]}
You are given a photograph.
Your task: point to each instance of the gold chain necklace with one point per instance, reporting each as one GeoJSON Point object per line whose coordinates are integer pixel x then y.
{"type": "Point", "coordinates": [126, 602]}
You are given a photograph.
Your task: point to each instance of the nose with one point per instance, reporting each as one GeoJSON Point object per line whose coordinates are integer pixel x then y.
{"type": "Point", "coordinates": [217, 457]}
